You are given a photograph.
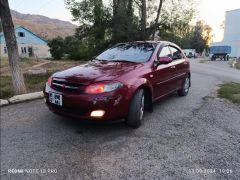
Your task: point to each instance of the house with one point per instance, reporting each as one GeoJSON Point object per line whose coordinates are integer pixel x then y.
{"type": "Point", "coordinates": [29, 44]}
{"type": "Point", "coordinates": [231, 33]}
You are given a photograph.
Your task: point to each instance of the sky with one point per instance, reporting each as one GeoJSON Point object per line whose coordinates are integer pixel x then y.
{"type": "Point", "coordinates": [211, 11]}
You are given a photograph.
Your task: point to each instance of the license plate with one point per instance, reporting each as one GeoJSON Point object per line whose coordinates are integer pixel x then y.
{"type": "Point", "coordinates": [55, 99]}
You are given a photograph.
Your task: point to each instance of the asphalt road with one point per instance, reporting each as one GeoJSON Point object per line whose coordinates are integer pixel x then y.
{"type": "Point", "coordinates": [193, 137]}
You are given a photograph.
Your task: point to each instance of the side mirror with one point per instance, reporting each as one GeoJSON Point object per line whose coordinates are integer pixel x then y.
{"type": "Point", "coordinates": [164, 60]}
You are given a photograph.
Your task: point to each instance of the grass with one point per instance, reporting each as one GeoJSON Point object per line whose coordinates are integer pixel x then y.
{"type": "Point", "coordinates": [230, 91]}
{"type": "Point", "coordinates": [26, 64]}
{"type": "Point", "coordinates": [204, 60]}
{"type": "Point", "coordinates": [33, 82]}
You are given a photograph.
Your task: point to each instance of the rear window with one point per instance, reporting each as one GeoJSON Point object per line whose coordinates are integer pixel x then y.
{"type": "Point", "coordinates": [135, 52]}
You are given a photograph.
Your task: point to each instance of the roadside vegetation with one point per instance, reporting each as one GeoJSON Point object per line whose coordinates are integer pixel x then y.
{"type": "Point", "coordinates": [230, 91]}
{"type": "Point", "coordinates": [204, 60]}
{"type": "Point", "coordinates": [34, 82]}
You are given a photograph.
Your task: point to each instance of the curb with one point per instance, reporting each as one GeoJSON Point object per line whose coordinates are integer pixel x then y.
{"type": "Point", "coordinates": [21, 98]}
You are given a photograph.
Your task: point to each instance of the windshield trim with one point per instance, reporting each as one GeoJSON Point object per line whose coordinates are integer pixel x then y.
{"type": "Point", "coordinates": [154, 44]}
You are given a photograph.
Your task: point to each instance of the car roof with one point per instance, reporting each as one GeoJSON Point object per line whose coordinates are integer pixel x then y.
{"type": "Point", "coordinates": [158, 42]}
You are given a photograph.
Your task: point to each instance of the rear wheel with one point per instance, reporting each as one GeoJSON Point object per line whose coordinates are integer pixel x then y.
{"type": "Point", "coordinates": [185, 87]}
{"type": "Point", "coordinates": [136, 110]}
{"type": "Point", "coordinates": [227, 57]}
{"type": "Point", "coordinates": [213, 58]}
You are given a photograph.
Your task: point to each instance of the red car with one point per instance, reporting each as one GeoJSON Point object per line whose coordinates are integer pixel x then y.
{"type": "Point", "coordinates": [121, 82]}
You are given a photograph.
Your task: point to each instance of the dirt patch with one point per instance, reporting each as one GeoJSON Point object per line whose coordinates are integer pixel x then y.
{"type": "Point", "coordinates": [28, 64]}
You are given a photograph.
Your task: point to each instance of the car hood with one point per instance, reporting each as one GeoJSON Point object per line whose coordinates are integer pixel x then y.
{"type": "Point", "coordinates": [96, 71]}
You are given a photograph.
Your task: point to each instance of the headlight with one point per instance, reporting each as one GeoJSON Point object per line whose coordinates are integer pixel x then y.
{"type": "Point", "coordinates": [102, 87]}
{"type": "Point", "coordinates": [49, 82]}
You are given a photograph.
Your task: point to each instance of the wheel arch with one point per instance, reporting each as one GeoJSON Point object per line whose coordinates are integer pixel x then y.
{"type": "Point", "coordinates": [148, 91]}
{"type": "Point", "coordinates": [189, 75]}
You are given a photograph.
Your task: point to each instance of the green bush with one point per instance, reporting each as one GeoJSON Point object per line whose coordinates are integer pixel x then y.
{"type": "Point", "coordinates": [56, 47]}
{"type": "Point", "coordinates": [230, 91]}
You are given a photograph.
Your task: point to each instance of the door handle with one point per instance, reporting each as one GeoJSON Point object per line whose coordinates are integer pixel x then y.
{"type": "Point", "coordinates": [173, 67]}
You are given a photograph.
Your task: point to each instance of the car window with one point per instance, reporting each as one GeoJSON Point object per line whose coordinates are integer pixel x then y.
{"type": "Point", "coordinates": [165, 52]}
{"type": "Point", "coordinates": [176, 53]}
{"type": "Point", "coordinates": [134, 52]}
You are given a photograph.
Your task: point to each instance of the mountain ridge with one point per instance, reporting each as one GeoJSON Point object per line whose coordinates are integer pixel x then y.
{"type": "Point", "coordinates": [43, 26]}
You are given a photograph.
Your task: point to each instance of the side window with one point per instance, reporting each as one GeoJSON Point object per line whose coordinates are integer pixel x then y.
{"type": "Point", "coordinates": [164, 52]}
{"type": "Point", "coordinates": [24, 50]}
{"type": "Point", "coordinates": [176, 53]}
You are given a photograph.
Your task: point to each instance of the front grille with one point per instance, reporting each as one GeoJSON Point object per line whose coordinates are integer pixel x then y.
{"type": "Point", "coordinates": [66, 86]}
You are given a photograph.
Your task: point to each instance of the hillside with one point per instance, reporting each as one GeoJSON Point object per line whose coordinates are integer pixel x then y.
{"type": "Point", "coordinates": [43, 26]}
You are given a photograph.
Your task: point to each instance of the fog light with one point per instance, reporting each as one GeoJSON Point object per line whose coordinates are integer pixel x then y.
{"type": "Point", "coordinates": [97, 113]}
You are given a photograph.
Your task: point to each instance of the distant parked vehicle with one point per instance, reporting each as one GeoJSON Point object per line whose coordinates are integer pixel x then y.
{"type": "Point", "coordinates": [221, 52]}
{"type": "Point", "coordinates": [190, 53]}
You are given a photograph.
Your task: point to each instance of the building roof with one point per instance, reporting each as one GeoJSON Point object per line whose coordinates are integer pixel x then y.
{"type": "Point", "coordinates": [18, 26]}
{"type": "Point", "coordinates": [233, 10]}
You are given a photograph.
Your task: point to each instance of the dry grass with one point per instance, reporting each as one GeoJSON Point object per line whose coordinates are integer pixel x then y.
{"type": "Point", "coordinates": [203, 59]}
{"type": "Point", "coordinates": [25, 65]}
{"type": "Point", "coordinates": [33, 82]}
{"type": "Point", "coordinates": [50, 66]}
{"type": "Point", "coordinates": [60, 65]}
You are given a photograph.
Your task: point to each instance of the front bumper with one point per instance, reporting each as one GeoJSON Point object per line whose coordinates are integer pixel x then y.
{"type": "Point", "coordinates": [115, 104]}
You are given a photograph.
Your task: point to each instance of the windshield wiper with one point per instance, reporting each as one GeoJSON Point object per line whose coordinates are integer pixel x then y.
{"type": "Point", "coordinates": [95, 59]}
{"type": "Point", "coordinates": [123, 61]}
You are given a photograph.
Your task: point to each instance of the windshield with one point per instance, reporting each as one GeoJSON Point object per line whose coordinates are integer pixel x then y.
{"type": "Point", "coordinates": [133, 52]}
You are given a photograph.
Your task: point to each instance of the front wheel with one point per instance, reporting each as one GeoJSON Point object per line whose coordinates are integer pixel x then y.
{"type": "Point", "coordinates": [185, 87]}
{"type": "Point", "coordinates": [136, 110]}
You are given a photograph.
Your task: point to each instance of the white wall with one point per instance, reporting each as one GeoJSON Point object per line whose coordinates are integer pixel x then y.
{"type": "Point", "coordinates": [232, 26]}
{"type": "Point", "coordinates": [40, 51]}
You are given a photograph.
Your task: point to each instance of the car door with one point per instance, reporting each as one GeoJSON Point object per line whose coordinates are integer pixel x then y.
{"type": "Point", "coordinates": [180, 63]}
{"type": "Point", "coordinates": [163, 75]}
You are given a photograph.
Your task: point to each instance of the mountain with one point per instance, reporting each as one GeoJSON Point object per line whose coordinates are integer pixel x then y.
{"type": "Point", "coordinates": [43, 26]}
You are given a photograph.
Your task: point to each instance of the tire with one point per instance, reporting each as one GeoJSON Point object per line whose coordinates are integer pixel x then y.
{"type": "Point", "coordinates": [213, 58]}
{"type": "Point", "coordinates": [185, 87]}
{"type": "Point", "coordinates": [136, 110]}
{"type": "Point", "coordinates": [225, 58]}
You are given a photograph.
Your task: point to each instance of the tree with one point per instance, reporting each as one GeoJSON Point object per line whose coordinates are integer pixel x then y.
{"type": "Point", "coordinates": [11, 43]}
{"type": "Point", "coordinates": [201, 36]}
{"type": "Point", "coordinates": [124, 24]}
{"type": "Point", "coordinates": [157, 18]}
{"type": "Point", "coordinates": [56, 47]}
{"type": "Point", "coordinates": [94, 19]}
{"type": "Point", "coordinates": [143, 19]}
{"type": "Point", "coordinates": [0, 26]}
{"type": "Point", "coordinates": [107, 22]}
